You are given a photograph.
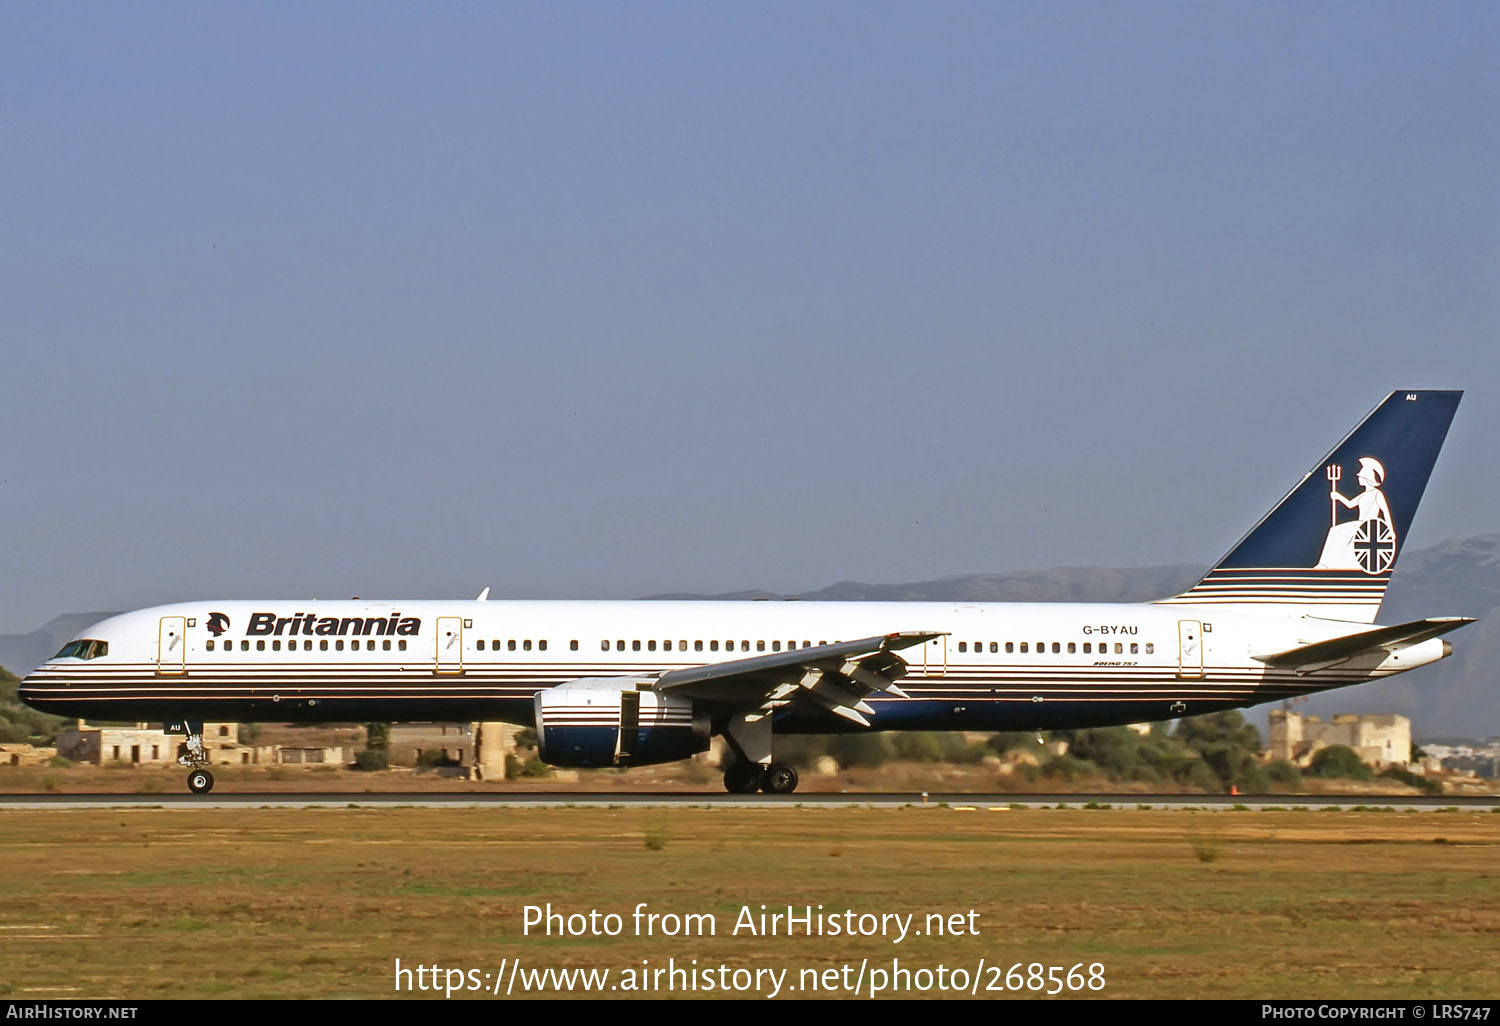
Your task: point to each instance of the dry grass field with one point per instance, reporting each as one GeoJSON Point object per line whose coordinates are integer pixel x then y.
{"type": "Point", "coordinates": [153, 903]}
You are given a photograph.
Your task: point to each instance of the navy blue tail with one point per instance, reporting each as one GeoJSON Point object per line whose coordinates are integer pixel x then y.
{"type": "Point", "coordinates": [1328, 548]}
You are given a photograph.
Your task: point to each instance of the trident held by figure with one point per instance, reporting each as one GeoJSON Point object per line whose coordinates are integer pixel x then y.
{"type": "Point", "coordinates": [1334, 472]}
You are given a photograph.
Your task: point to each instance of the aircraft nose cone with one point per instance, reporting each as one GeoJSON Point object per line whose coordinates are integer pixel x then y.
{"type": "Point", "coordinates": [33, 693]}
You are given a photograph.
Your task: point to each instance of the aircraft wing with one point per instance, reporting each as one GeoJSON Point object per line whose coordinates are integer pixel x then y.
{"type": "Point", "coordinates": [1334, 650]}
{"type": "Point", "coordinates": [837, 677]}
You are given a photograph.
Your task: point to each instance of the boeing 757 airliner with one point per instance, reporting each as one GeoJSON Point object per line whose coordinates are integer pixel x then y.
{"type": "Point", "coordinates": [1290, 610]}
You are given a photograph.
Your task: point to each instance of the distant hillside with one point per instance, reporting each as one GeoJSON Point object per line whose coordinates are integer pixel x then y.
{"type": "Point", "coordinates": [1063, 584]}
{"type": "Point", "coordinates": [1456, 696]}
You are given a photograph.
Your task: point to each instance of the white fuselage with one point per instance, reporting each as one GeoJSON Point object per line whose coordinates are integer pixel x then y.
{"type": "Point", "coordinates": [997, 666]}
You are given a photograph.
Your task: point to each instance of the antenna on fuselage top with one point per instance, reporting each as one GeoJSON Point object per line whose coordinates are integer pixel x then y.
{"type": "Point", "coordinates": [484, 596]}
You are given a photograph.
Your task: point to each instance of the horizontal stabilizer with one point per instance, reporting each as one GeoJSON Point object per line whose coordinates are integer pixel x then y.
{"type": "Point", "coordinates": [1350, 645]}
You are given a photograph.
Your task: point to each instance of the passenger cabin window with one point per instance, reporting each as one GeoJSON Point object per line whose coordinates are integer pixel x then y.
{"type": "Point", "coordinates": [573, 645]}
{"type": "Point", "coordinates": [542, 645]}
{"type": "Point", "coordinates": [526, 644]}
{"type": "Point", "coordinates": [963, 646]}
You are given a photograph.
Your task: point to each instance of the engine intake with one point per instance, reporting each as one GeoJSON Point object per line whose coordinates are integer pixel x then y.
{"type": "Point", "coordinates": [611, 723]}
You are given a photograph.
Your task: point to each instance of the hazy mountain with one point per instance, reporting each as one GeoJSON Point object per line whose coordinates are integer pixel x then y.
{"type": "Point", "coordinates": [1063, 584]}
{"type": "Point", "coordinates": [1456, 696]}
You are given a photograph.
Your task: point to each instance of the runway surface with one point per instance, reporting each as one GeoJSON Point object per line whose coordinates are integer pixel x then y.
{"type": "Point", "coordinates": [702, 799]}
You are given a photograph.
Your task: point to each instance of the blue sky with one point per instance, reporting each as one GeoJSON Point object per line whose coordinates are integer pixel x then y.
{"type": "Point", "coordinates": [601, 300]}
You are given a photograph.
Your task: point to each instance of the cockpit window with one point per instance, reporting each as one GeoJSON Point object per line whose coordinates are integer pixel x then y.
{"type": "Point", "coordinates": [83, 648]}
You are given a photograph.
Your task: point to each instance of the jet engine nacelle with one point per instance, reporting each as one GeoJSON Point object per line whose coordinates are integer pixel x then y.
{"type": "Point", "coordinates": [610, 722]}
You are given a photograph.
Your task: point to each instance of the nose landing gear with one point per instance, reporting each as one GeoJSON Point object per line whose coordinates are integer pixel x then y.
{"type": "Point", "coordinates": [200, 780]}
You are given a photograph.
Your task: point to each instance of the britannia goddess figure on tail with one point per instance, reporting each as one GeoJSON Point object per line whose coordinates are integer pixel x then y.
{"type": "Point", "coordinates": [1368, 543]}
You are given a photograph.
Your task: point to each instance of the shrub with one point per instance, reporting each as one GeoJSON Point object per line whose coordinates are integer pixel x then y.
{"type": "Point", "coordinates": [1413, 780]}
{"type": "Point", "coordinates": [1205, 847]}
{"type": "Point", "coordinates": [800, 750]}
{"type": "Point", "coordinates": [530, 767]}
{"type": "Point", "coordinates": [1253, 779]}
{"type": "Point", "coordinates": [1228, 745]}
{"type": "Point", "coordinates": [1010, 740]}
{"type": "Point", "coordinates": [1284, 773]}
{"type": "Point", "coordinates": [372, 759]}
{"type": "Point", "coordinates": [1198, 774]}
{"type": "Point", "coordinates": [1338, 761]}
{"type": "Point", "coordinates": [860, 749]}
{"type": "Point", "coordinates": [1067, 767]}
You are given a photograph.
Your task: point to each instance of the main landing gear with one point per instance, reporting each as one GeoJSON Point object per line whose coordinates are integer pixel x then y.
{"type": "Point", "coordinates": [747, 778]}
{"type": "Point", "coordinates": [200, 780]}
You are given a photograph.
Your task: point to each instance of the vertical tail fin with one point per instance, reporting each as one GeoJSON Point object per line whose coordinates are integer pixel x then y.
{"type": "Point", "coordinates": [1328, 548]}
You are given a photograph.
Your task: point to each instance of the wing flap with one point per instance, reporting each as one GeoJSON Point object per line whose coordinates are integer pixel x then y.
{"type": "Point", "coordinates": [1333, 650]}
{"type": "Point", "coordinates": [836, 677]}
